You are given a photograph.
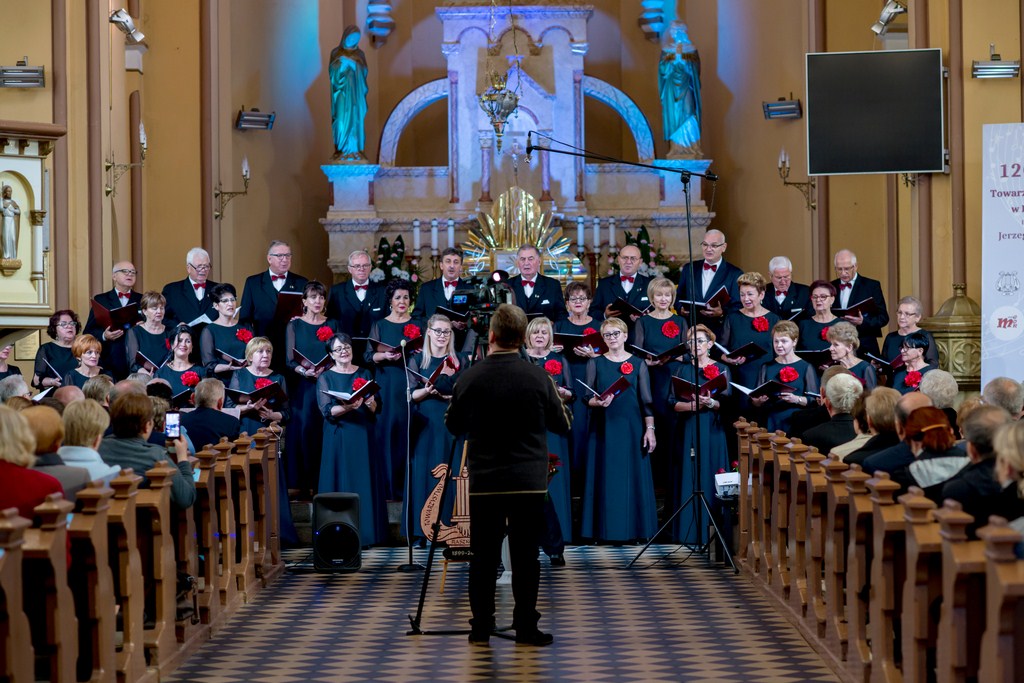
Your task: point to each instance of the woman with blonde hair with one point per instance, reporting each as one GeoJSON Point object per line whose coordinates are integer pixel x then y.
{"type": "Point", "coordinates": [258, 375]}
{"type": "Point", "coordinates": [1009, 504]}
{"type": "Point", "coordinates": [788, 369]}
{"type": "Point", "coordinates": [843, 344]}
{"type": "Point", "coordinates": [150, 338]}
{"type": "Point", "coordinates": [21, 486]}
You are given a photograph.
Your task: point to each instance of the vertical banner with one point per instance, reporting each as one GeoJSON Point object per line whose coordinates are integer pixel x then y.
{"type": "Point", "coordinates": [1002, 252]}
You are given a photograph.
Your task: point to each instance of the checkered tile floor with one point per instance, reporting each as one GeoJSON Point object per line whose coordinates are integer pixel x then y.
{"type": "Point", "coordinates": [662, 620]}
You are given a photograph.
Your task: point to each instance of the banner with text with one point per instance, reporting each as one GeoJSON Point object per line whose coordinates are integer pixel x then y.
{"type": "Point", "coordinates": [1002, 252]}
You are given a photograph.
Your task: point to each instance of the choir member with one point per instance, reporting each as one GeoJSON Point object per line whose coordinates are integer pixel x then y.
{"type": "Point", "coordinates": [814, 330]}
{"type": "Point", "coordinates": [114, 357]}
{"type": "Point", "coordinates": [579, 321]}
{"type": "Point", "coordinates": [54, 359]}
{"type": "Point", "coordinates": [189, 299]}
{"type": "Point", "coordinates": [712, 273]}
{"type": "Point", "coordinates": [783, 297]}
{"type": "Point", "coordinates": [86, 349]}
{"type": "Point", "coordinates": [908, 315]}
{"type": "Point", "coordinates": [261, 291]}
{"type": "Point", "coordinates": [629, 284]}
{"type": "Point", "coordinates": [751, 324]}
{"type": "Point", "coordinates": [853, 288]}
{"type": "Point", "coordinates": [704, 414]}
{"type": "Point", "coordinates": [393, 423]}
{"type": "Point", "coordinates": [438, 292]}
{"type": "Point", "coordinates": [180, 372]}
{"type": "Point", "coordinates": [151, 338]}
{"type": "Point", "coordinates": [843, 343]}
{"type": "Point", "coordinates": [307, 334]}
{"type": "Point", "coordinates": [357, 303]}
{"type": "Point", "coordinates": [351, 459]}
{"type": "Point", "coordinates": [912, 351]}
{"type": "Point", "coordinates": [618, 496]}
{"type": "Point", "coordinates": [6, 369]}
{"type": "Point", "coordinates": [789, 369]}
{"type": "Point", "coordinates": [256, 375]}
{"type": "Point", "coordinates": [224, 335]}
{"type": "Point", "coordinates": [535, 293]}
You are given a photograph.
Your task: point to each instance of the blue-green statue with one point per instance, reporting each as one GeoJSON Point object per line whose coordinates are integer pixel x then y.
{"type": "Point", "coordinates": [348, 97]}
{"type": "Point", "coordinates": [679, 87]}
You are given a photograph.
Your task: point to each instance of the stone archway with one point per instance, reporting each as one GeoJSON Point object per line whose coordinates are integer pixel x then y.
{"type": "Point", "coordinates": [404, 112]}
{"type": "Point", "coordinates": [627, 110]}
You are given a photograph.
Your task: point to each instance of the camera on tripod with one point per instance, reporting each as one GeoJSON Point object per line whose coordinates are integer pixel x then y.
{"type": "Point", "coordinates": [482, 298]}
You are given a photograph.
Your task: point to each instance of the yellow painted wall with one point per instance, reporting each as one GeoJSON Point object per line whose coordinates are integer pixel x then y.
{"type": "Point", "coordinates": [26, 34]}
{"type": "Point", "coordinates": [77, 140]}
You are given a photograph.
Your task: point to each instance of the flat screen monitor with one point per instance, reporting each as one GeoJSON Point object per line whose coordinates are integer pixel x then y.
{"type": "Point", "coordinates": [875, 112]}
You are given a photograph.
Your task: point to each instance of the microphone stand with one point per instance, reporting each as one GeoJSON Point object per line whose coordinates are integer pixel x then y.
{"type": "Point", "coordinates": [411, 565]}
{"type": "Point", "coordinates": [697, 497]}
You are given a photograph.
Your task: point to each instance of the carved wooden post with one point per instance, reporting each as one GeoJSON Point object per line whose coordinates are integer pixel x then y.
{"type": "Point", "coordinates": [159, 568]}
{"type": "Point", "coordinates": [245, 567]}
{"type": "Point", "coordinates": [858, 562]}
{"type": "Point", "coordinates": [780, 514]}
{"type": "Point", "coordinates": [836, 540]}
{"type": "Point", "coordinates": [888, 570]}
{"type": "Point", "coordinates": [923, 586]}
{"type": "Point", "coordinates": [963, 596]}
{"type": "Point", "coordinates": [258, 476]}
{"type": "Point", "coordinates": [122, 524]}
{"type": "Point", "coordinates": [92, 584]}
{"type": "Point", "coordinates": [228, 584]}
{"type": "Point", "coordinates": [207, 537]}
{"type": "Point", "coordinates": [17, 655]}
{"type": "Point", "coordinates": [1002, 646]}
{"type": "Point", "coordinates": [766, 465]}
{"type": "Point", "coordinates": [273, 493]}
{"type": "Point", "coordinates": [816, 497]}
{"type": "Point", "coordinates": [797, 515]}
{"type": "Point", "coordinates": [743, 454]}
{"type": "Point", "coordinates": [755, 553]}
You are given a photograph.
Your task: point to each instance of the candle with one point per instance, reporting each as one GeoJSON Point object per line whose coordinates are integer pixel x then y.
{"type": "Point", "coordinates": [451, 233]}
{"type": "Point", "coordinates": [580, 233]}
{"type": "Point", "coordinates": [142, 134]}
{"type": "Point", "coordinates": [782, 156]}
{"type": "Point", "coordinates": [416, 235]}
{"type": "Point", "coordinates": [597, 233]}
{"type": "Point", "coordinates": [245, 168]}
{"type": "Point", "coordinates": [433, 236]}
{"type": "Point", "coordinates": [611, 234]}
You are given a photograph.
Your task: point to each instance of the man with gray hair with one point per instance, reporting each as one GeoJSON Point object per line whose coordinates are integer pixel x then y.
{"type": "Point", "coordinates": [535, 292]}
{"type": "Point", "coordinates": [357, 303]}
{"type": "Point", "coordinates": [839, 395]}
{"type": "Point", "coordinates": [207, 423]}
{"type": "Point", "coordinates": [1005, 393]}
{"type": "Point", "coordinates": [114, 357]}
{"type": "Point", "coordinates": [977, 481]}
{"type": "Point", "coordinates": [189, 300]}
{"type": "Point", "coordinates": [13, 385]}
{"type": "Point", "coordinates": [260, 293]}
{"type": "Point", "coordinates": [708, 275]}
{"type": "Point", "coordinates": [853, 288]}
{"type": "Point", "coordinates": [787, 299]}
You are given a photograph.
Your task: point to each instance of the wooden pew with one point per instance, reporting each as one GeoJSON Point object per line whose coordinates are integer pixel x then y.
{"type": "Point", "coordinates": [92, 585]}
{"type": "Point", "coordinates": [888, 571]}
{"type": "Point", "coordinates": [780, 578]}
{"type": "Point", "coordinates": [186, 554]}
{"type": "Point", "coordinates": [837, 537]}
{"type": "Point", "coordinates": [743, 456]}
{"type": "Point", "coordinates": [156, 548]}
{"type": "Point", "coordinates": [755, 552]}
{"type": "Point", "coordinates": [227, 586]}
{"type": "Point", "coordinates": [16, 657]}
{"type": "Point", "coordinates": [815, 494]}
{"type": "Point", "coordinates": [265, 471]}
{"type": "Point", "coordinates": [126, 563]}
{"type": "Point", "coordinates": [923, 585]}
{"type": "Point", "coordinates": [241, 490]}
{"type": "Point", "coordinates": [259, 473]}
{"type": "Point", "coordinates": [47, 598]}
{"type": "Point", "coordinates": [858, 563]}
{"type": "Point", "coordinates": [208, 539]}
{"type": "Point", "coordinates": [1002, 646]}
{"type": "Point", "coordinates": [963, 596]}
{"type": "Point", "coordinates": [273, 498]}
{"type": "Point", "coordinates": [766, 468]}
{"type": "Point", "coordinates": [797, 516]}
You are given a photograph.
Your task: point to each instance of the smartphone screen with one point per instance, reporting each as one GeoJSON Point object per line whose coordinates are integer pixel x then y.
{"type": "Point", "coordinates": [172, 424]}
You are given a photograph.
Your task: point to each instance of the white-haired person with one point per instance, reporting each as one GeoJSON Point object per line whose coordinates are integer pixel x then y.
{"type": "Point", "coordinates": [839, 395]}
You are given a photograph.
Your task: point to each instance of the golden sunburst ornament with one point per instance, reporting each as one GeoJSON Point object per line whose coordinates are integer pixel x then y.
{"type": "Point", "coordinates": [517, 219]}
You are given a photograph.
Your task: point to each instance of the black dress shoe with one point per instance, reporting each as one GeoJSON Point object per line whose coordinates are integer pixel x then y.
{"type": "Point", "coordinates": [537, 638]}
{"type": "Point", "coordinates": [479, 638]}
{"type": "Point", "coordinates": [557, 560]}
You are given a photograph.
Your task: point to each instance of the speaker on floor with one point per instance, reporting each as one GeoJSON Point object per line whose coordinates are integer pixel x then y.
{"type": "Point", "coordinates": [336, 545]}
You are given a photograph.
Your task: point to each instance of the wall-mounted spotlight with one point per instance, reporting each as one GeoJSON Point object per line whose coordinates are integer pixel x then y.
{"type": "Point", "coordinates": [254, 119]}
{"type": "Point", "coordinates": [121, 19]}
{"type": "Point", "coordinates": [22, 75]}
{"type": "Point", "coordinates": [891, 10]}
{"type": "Point", "coordinates": [783, 109]}
{"type": "Point", "coordinates": [995, 67]}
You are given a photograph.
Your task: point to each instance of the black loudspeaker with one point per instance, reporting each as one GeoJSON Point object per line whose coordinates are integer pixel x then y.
{"type": "Point", "coordinates": [336, 545]}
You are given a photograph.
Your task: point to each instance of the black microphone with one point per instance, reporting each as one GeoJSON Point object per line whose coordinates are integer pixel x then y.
{"type": "Point", "coordinates": [713, 177]}
{"type": "Point", "coordinates": [529, 146]}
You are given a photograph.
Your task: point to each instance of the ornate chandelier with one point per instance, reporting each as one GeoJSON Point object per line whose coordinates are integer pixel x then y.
{"type": "Point", "coordinates": [498, 102]}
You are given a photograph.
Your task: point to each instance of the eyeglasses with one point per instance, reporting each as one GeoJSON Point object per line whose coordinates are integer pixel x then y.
{"type": "Point", "coordinates": [341, 348]}
{"type": "Point", "coordinates": [229, 300]}
{"type": "Point", "coordinates": [284, 255]}
{"type": "Point", "coordinates": [67, 323]}
{"type": "Point", "coordinates": [358, 266]}
{"type": "Point", "coordinates": [710, 245]}
{"type": "Point", "coordinates": [611, 335]}
{"type": "Point", "coordinates": [700, 340]}
{"type": "Point", "coordinates": [201, 268]}
{"type": "Point", "coordinates": [578, 299]}
{"type": "Point", "coordinates": [126, 271]}
{"type": "Point", "coordinates": [439, 332]}
{"type": "Point", "coordinates": [905, 314]}
{"type": "Point", "coordinates": [820, 297]}
{"type": "Point", "coordinates": [629, 259]}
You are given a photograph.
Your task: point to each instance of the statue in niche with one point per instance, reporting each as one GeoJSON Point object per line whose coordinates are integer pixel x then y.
{"type": "Point", "coordinates": [679, 88]}
{"type": "Point", "coordinates": [348, 97]}
{"type": "Point", "coordinates": [11, 223]}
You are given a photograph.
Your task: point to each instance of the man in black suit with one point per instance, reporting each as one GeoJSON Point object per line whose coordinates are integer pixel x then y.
{"type": "Point", "coordinates": [628, 285]}
{"type": "Point", "coordinates": [505, 406]}
{"type": "Point", "coordinates": [259, 296]}
{"type": "Point", "coordinates": [839, 394]}
{"type": "Point", "coordinates": [782, 296]}
{"type": "Point", "coordinates": [710, 274]}
{"type": "Point", "coordinates": [207, 424]}
{"type": "Point", "coordinates": [114, 357]}
{"type": "Point", "coordinates": [536, 293]}
{"type": "Point", "coordinates": [853, 288]}
{"type": "Point", "coordinates": [438, 292]}
{"type": "Point", "coordinates": [357, 303]}
{"type": "Point", "coordinates": [189, 299]}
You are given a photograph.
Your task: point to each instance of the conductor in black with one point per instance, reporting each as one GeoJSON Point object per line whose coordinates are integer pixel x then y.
{"type": "Point", "coordinates": [505, 405]}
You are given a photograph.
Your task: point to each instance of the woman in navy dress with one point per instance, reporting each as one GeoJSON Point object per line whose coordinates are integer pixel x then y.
{"type": "Point", "coordinates": [6, 369]}
{"type": "Point", "coordinates": [908, 315]}
{"type": "Point", "coordinates": [350, 457]}
{"type": "Point", "coordinates": [54, 359]}
{"type": "Point", "coordinates": [180, 372]}
{"type": "Point", "coordinates": [753, 323]}
{"type": "Point", "coordinates": [913, 350]}
{"type": "Point", "coordinates": [393, 421]}
{"type": "Point", "coordinates": [87, 349]}
{"type": "Point", "coordinates": [844, 342]}
{"type": "Point", "coordinates": [618, 496]}
{"type": "Point", "coordinates": [704, 414]}
{"type": "Point", "coordinates": [789, 369]}
{"type": "Point", "coordinates": [150, 337]}
{"type": "Point", "coordinates": [558, 506]}
{"type": "Point", "coordinates": [577, 303]}
{"type": "Point", "coordinates": [814, 330]}
{"type": "Point", "coordinates": [432, 442]}
{"type": "Point", "coordinates": [307, 334]}
{"type": "Point", "coordinates": [223, 335]}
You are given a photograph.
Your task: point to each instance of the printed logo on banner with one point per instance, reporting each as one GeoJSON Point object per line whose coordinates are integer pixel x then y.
{"type": "Point", "coordinates": [1008, 283]}
{"type": "Point", "coordinates": [1006, 323]}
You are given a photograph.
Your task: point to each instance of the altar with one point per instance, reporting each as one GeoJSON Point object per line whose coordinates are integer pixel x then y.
{"type": "Point", "coordinates": [543, 48]}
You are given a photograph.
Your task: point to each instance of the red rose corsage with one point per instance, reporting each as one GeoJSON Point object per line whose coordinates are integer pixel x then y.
{"type": "Point", "coordinates": [167, 343]}
{"type": "Point", "coordinates": [262, 382]}
{"type": "Point", "coordinates": [824, 333]}
{"type": "Point", "coordinates": [553, 367]}
{"type": "Point", "coordinates": [760, 323]}
{"type": "Point", "coordinates": [190, 378]}
{"type": "Point", "coordinates": [670, 329]}
{"type": "Point", "coordinates": [589, 330]}
{"type": "Point", "coordinates": [358, 383]}
{"type": "Point", "coordinates": [324, 333]}
{"type": "Point", "coordinates": [788, 374]}
{"type": "Point", "coordinates": [243, 335]}
{"type": "Point", "coordinates": [410, 331]}
{"type": "Point", "coordinates": [711, 371]}
{"type": "Point", "coordinates": [626, 368]}
{"type": "Point", "coordinates": [913, 379]}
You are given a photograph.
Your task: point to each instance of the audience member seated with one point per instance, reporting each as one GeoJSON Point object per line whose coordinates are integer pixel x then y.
{"type": "Point", "coordinates": [161, 407]}
{"type": "Point", "coordinates": [860, 426]}
{"type": "Point", "coordinates": [207, 424]}
{"type": "Point", "coordinates": [21, 486]}
{"type": "Point", "coordinates": [880, 406]}
{"type": "Point", "coordinates": [966, 406]}
{"type": "Point", "coordinates": [1007, 394]}
{"type": "Point", "coordinates": [942, 389]}
{"type": "Point", "coordinates": [976, 483]}
{"type": "Point", "coordinates": [18, 403]}
{"type": "Point", "coordinates": [815, 413]}
{"type": "Point", "coordinates": [936, 455]}
{"type": "Point", "coordinates": [51, 402]}
{"type": "Point", "coordinates": [84, 424]}
{"type": "Point", "coordinates": [48, 429]}
{"type": "Point", "coordinates": [98, 389]}
{"type": "Point", "coordinates": [13, 385]}
{"type": "Point", "coordinates": [69, 394]}
{"type": "Point", "coordinates": [839, 395]}
{"type": "Point", "coordinates": [896, 456]}
{"type": "Point", "coordinates": [131, 420]}
{"type": "Point", "coordinates": [1009, 504]}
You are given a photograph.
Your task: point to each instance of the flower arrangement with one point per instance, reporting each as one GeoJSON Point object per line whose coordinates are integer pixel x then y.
{"type": "Point", "coordinates": [358, 383]}
{"type": "Point", "coordinates": [626, 368]}
{"type": "Point", "coordinates": [324, 333]}
{"type": "Point", "coordinates": [190, 378]}
{"type": "Point", "coordinates": [411, 331]}
{"type": "Point", "coordinates": [553, 367]}
{"type": "Point", "coordinates": [760, 323]}
{"type": "Point", "coordinates": [788, 374]}
{"type": "Point", "coordinates": [262, 382]}
{"type": "Point", "coordinates": [913, 379]}
{"type": "Point", "coordinates": [711, 371]}
{"type": "Point", "coordinates": [390, 260]}
{"type": "Point", "coordinates": [670, 329]}
{"type": "Point", "coordinates": [243, 335]}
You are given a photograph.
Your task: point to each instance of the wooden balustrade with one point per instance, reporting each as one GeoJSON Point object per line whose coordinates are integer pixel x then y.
{"type": "Point", "coordinates": [743, 456]}
{"type": "Point", "coordinates": [888, 572]}
{"type": "Point", "coordinates": [797, 516]}
{"type": "Point", "coordinates": [1002, 646]}
{"type": "Point", "coordinates": [922, 590]}
{"type": "Point", "coordinates": [859, 552]}
{"type": "Point", "coordinates": [159, 571]}
{"type": "Point", "coordinates": [208, 539]}
{"type": "Point", "coordinates": [126, 564]}
{"type": "Point", "coordinates": [241, 489]}
{"type": "Point", "coordinates": [16, 657]}
{"type": "Point", "coordinates": [962, 619]}
{"type": "Point", "coordinates": [815, 487]}
{"type": "Point", "coordinates": [755, 552]}
{"type": "Point", "coordinates": [227, 585]}
{"type": "Point", "coordinates": [837, 538]}
{"type": "Point", "coordinates": [779, 537]}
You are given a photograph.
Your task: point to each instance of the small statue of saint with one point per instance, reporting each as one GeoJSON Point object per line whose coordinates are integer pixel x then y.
{"type": "Point", "coordinates": [11, 213]}
{"type": "Point", "coordinates": [679, 89]}
{"type": "Point", "coordinates": [348, 97]}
